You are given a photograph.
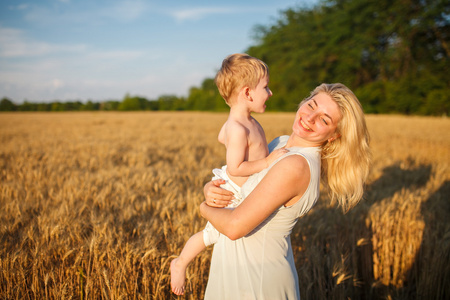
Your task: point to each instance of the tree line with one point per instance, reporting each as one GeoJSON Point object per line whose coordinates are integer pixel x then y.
{"type": "Point", "coordinates": [394, 54]}
{"type": "Point", "coordinates": [203, 98]}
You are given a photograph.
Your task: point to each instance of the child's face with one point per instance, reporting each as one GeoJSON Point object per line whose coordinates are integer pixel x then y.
{"type": "Point", "coordinates": [260, 94]}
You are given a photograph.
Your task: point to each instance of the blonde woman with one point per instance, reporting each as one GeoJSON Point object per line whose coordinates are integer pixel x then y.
{"type": "Point", "coordinates": [253, 257]}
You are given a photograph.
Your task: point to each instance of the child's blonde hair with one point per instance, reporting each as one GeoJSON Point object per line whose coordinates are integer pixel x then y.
{"type": "Point", "coordinates": [346, 160]}
{"type": "Point", "coordinates": [237, 71]}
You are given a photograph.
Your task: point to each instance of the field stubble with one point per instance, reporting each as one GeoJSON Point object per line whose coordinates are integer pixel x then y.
{"type": "Point", "coordinates": [94, 205]}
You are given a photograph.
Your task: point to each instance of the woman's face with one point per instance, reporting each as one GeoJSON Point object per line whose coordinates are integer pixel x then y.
{"type": "Point", "coordinates": [317, 119]}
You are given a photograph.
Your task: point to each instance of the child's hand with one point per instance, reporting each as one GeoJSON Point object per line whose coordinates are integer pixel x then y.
{"type": "Point", "coordinates": [275, 154]}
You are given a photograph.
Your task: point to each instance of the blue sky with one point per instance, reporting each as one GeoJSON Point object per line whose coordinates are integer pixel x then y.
{"type": "Point", "coordinates": [99, 50]}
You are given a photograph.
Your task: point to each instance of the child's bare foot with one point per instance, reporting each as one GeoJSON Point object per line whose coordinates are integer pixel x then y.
{"type": "Point", "coordinates": [177, 277]}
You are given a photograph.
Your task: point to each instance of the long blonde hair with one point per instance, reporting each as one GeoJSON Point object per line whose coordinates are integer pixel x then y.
{"type": "Point", "coordinates": [346, 160]}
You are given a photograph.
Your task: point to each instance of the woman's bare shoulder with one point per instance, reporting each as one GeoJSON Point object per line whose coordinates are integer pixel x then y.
{"type": "Point", "coordinates": [293, 170]}
{"type": "Point", "coordinates": [292, 163]}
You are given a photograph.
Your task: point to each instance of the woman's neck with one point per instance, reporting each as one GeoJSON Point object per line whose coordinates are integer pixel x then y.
{"type": "Point", "coordinates": [295, 141]}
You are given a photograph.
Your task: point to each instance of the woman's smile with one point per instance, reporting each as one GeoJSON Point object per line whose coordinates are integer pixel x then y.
{"type": "Point", "coordinates": [306, 127]}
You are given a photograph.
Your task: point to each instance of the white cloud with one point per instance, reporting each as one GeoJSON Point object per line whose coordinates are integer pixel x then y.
{"type": "Point", "coordinates": [115, 55]}
{"type": "Point", "coordinates": [127, 10]}
{"type": "Point", "coordinates": [22, 6]}
{"type": "Point", "coordinates": [199, 13]}
{"type": "Point", "coordinates": [14, 43]}
{"type": "Point", "coordinates": [56, 84]}
{"type": "Point", "coordinates": [124, 11]}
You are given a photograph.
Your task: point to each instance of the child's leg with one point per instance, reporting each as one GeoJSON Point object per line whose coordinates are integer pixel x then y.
{"type": "Point", "coordinates": [178, 266]}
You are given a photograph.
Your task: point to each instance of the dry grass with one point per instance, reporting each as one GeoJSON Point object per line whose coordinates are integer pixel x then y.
{"type": "Point", "coordinates": [93, 205]}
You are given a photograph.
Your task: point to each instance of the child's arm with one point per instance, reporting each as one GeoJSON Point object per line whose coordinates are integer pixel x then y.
{"type": "Point", "coordinates": [247, 168]}
{"type": "Point", "coordinates": [237, 148]}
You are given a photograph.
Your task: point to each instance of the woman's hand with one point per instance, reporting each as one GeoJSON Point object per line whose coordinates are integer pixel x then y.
{"type": "Point", "coordinates": [215, 196]}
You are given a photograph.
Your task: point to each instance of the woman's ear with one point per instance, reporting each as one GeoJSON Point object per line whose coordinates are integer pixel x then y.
{"type": "Point", "coordinates": [335, 137]}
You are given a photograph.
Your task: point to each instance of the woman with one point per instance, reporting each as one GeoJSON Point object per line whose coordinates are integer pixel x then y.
{"type": "Point", "coordinates": [253, 258]}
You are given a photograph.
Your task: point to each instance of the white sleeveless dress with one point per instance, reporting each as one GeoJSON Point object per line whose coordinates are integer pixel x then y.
{"type": "Point", "coordinates": [261, 264]}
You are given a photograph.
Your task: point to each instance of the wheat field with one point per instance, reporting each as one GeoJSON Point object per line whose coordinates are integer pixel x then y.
{"type": "Point", "coordinates": [95, 205]}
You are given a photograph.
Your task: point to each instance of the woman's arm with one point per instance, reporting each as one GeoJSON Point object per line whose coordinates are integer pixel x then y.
{"type": "Point", "coordinates": [284, 184]}
{"type": "Point", "coordinates": [217, 196]}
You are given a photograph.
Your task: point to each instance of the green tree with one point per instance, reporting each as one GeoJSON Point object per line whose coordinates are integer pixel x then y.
{"type": "Point", "coordinates": [437, 103]}
{"type": "Point", "coordinates": [27, 106]}
{"type": "Point", "coordinates": [89, 106]}
{"type": "Point", "coordinates": [109, 105]}
{"type": "Point", "coordinates": [57, 106]}
{"type": "Point", "coordinates": [44, 106]}
{"type": "Point", "coordinates": [171, 102]}
{"type": "Point", "coordinates": [206, 97]}
{"type": "Point", "coordinates": [72, 106]}
{"type": "Point", "coordinates": [132, 103]}
{"type": "Point", "coordinates": [7, 105]}
{"type": "Point", "coordinates": [153, 105]}
{"type": "Point", "coordinates": [393, 52]}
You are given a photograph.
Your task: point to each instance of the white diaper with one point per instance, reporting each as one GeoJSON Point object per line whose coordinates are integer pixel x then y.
{"type": "Point", "coordinates": [210, 234]}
